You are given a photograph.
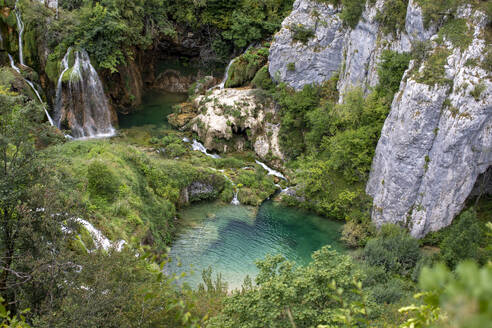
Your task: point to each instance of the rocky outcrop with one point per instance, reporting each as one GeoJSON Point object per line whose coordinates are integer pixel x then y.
{"type": "Point", "coordinates": [332, 48]}
{"type": "Point", "coordinates": [436, 141]}
{"type": "Point", "coordinates": [208, 188]}
{"type": "Point", "coordinates": [236, 119]}
{"type": "Point", "coordinates": [298, 60]}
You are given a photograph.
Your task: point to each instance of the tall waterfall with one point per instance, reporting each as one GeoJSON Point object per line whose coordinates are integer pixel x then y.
{"type": "Point", "coordinates": [17, 69]}
{"type": "Point", "coordinates": [82, 105]}
{"type": "Point", "coordinates": [20, 26]}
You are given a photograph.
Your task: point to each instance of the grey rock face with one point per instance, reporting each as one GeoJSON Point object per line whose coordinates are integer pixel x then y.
{"type": "Point", "coordinates": [435, 143]}
{"type": "Point", "coordinates": [320, 57]}
{"type": "Point", "coordinates": [355, 53]}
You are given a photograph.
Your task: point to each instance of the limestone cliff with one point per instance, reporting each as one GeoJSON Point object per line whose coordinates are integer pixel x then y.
{"type": "Point", "coordinates": [437, 138]}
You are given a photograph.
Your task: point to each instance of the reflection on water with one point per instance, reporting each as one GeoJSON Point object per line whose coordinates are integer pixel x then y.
{"type": "Point", "coordinates": [231, 238]}
{"type": "Point", "coordinates": [156, 106]}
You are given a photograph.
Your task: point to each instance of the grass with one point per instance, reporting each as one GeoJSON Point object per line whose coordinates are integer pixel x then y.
{"type": "Point", "coordinates": [458, 32]}
{"type": "Point", "coordinates": [434, 70]}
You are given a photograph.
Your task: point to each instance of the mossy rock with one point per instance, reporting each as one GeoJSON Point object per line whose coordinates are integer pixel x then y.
{"type": "Point", "coordinates": [262, 79]}
{"type": "Point", "coordinates": [52, 69]}
{"type": "Point", "coordinates": [245, 67]}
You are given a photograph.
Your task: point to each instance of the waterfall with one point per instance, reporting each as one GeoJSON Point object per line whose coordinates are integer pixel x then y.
{"type": "Point", "coordinates": [226, 75]}
{"type": "Point", "coordinates": [235, 201]}
{"type": "Point", "coordinates": [84, 107]}
{"type": "Point", "coordinates": [197, 146]}
{"type": "Point", "coordinates": [20, 26]}
{"type": "Point", "coordinates": [271, 171]}
{"type": "Point", "coordinates": [99, 239]}
{"type": "Point", "coordinates": [12, 64]}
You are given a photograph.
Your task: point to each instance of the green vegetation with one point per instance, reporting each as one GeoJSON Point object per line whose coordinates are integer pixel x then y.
{"type": "Point", "coordinates": [262, 79]}
{"type": "Point", "coordinates": [301, 33]}
{"type": "Point", "coordinates": [327, 291]}
{"type": "Point", "coordinates": [332, 145]}
{"type": "Point", "coordinates": [130, 195]}
{"type": "Point", "coordinates": [458, 32]}
{"type": "Point", "coordinates": [434, 70]}
{"type": "Point", "coordinates": [393, 15]}
{"type": "Point", "coordinates": [478, 90]}
{"type": "Point", "coordinates": [245, 67]}
{"type": "Point", "coordinates": [461, 298]}
{"type": "Point", "coordinates": [351, 12]}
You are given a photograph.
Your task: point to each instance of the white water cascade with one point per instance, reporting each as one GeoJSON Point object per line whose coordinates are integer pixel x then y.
{"type": "Point", "coordinates": [235, 201]}
{"type": "Point", "coordinates": [20, 26]}
{"type": "Point", "coordinates": [83, 106]}
{"type": "Point", "coordinates": [271, 171]}
{"type": "Point", "coordinates": [198, 146]}
{"type": "Point", "coordinates": [99, 239]}
{"type": "Point", "coordinates": [12, 64]}
{"type": "Point", "coordinates": [226, 74]}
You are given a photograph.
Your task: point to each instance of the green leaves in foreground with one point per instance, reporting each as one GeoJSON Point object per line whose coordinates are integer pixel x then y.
{"type": "Point", "coordinates": [459, 299]}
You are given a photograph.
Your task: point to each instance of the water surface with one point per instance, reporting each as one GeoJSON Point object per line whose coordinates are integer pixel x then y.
{"type": "Point", "coordinates": [156, 106]}
{"type": "Point", "coordinates": [231, 238]}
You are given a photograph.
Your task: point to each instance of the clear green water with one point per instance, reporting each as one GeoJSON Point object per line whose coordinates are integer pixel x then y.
{"type": "Point", "coordinates": [231, 238]}
{"type": "Point", "coordinates": [156, 106]}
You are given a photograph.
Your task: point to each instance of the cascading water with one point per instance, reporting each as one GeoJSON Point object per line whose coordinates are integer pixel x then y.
{"type": "Point", "coordinates": [197, 146]}
{"type": "Point", "coordinates": [17, 69]}
{"type": "Point", "coordinates": [99, 239]}
{"type": "Point", "coordinates": [271, 171]}
{"type": "Point", "coordinates": [20, 26]}
{"type": "Point", "coordinates": [226, 75]}
{"type": "Point", "coordinates": [83, 107]}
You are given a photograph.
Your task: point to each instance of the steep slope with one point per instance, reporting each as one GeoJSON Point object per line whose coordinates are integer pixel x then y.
{"type": "Point", "coordinates": [437, 138]}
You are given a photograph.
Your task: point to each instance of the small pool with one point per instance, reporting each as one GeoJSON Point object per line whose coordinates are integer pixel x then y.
{"type": "Point", "coordinates": [156, 106]}
{"type": "Point", "coordinates": [231, 238]}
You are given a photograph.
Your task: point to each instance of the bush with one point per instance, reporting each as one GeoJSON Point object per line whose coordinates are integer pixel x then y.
{"type": "Point", "coordinates": [462, 240]}
{"type": "Point", "coordinates": [245, 67]}
{"type": "Point", "coordinates": [175, 149]}
{"type": "Point", "coordinates": [394, 249]}
{"type": "Point", "coordinates": [355, 234]}
{"type": "Point", "coordinates": [458, 32]}
{"type": "Point", "coordinates": [389, 292]}
{"type": "Point", "coordinates": [392, 17]}
{"type": "Point", "coordinates": [301, 34]}
{"type": "Point", "coordinates": [262, 79]}
{"type": "Point", "coordinates": [102, 182]}
{"type": "Point", "coordinates": [351, 12]}
{"type": "Point", "coordinates": [391, 69]}
{"type": "Point", "coordinates": [434, 70]}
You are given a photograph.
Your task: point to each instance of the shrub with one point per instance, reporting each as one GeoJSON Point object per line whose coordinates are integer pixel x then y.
{"type": "Point", "coordinates": [175, 149]}
{"type": "Point", "coordinates": [477, 91]}
{"type": "Point", "coordinates": [245, 67]}
{"type": "Point", "coordinates": [392, 17]}
{"type": "Point", "coordinates": [391, 69]}
{"type": "Point", "coordinates": [355, 234]}
{"type": "Point", "coordinates": [351, 12]}
{"type": "Point", "coordinates": [389, 292]}
{"type": "Point", "coordinates": [102, 182]}
{"type": "Point", "coordinates": [434, 70]}
{"type": "Point", "coordinates": [462, 240]}
{"type": "Point", "coordinates": [263, 80]}
{"type": "Point", "coordinates": [301, 33]}
{"type": "Point", "coordinates": [394, 249]}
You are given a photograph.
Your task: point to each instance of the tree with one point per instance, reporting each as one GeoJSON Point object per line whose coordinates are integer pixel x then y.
{"type": "Point", "coordinates": [30, 233]}
{"type": "Point", "coordinates": [326, 291]}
